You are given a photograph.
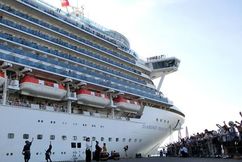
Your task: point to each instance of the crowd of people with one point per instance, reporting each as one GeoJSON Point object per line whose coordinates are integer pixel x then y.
{"type": "Point", "coordinates": [225, 142]}
{"type": "Point", "coordinates": [101, 153]}
{"type": "Point", "coordinates": [27, 154]}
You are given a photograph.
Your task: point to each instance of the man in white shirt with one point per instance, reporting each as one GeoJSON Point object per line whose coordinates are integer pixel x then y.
{"type": "Point", "coordinates": [184, 151]}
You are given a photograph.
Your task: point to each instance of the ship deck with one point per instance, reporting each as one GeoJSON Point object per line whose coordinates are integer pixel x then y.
{"type": "Point", "coordinates": [173, 159]}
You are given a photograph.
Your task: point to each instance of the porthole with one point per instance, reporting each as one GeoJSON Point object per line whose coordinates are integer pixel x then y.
{"type": "Point", "coordinates": [102, 138]}
{"type": "Point", "coordinates": [39, 136]}
{"type": "Point", "coordinates": [52, 137]}
{"type": "Point", "coordinates": [64, 137]}
{"type": "Point", "coordinates": [78, 145]}
{"type": "Point", "coordinates": [25, 136]}
{"type": "Point", "coordinates": [73, 145]}
{"type": "Point", "coordinates": [84, 138]}
{"type": "Point", "coordinates": [10, 135]}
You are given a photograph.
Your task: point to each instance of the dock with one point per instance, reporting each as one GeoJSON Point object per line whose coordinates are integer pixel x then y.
{"type": "Point", "coordinates": [171, 159]}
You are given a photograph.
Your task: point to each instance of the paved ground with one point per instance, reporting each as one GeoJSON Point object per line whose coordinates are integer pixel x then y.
{"type": "Point", "coordinates": [175, 159]}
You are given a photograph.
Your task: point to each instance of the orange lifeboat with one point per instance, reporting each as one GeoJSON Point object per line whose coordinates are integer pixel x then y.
{"type": "Point", "coordinates": [92, 98]}
{"type": "Point", "coordinates": [126, 104]}
{"type": "Point", "coordinates": [2, 79]}
{"type": "Point", "coordinates": [32, 86]}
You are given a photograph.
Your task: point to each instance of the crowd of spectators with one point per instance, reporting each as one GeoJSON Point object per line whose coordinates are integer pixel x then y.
{"type": "Point", "coordinates": [225, 142]}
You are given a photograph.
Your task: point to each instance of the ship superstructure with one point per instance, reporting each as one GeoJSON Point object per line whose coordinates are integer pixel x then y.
{"type": "Point", "coordinates": [65, 78]}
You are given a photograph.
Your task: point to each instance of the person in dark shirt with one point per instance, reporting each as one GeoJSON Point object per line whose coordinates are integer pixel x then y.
{"type": "Point", "coordinates": [48, 153]}
{"type": "Point", "coordinates": [88, 150]}
{"type": "Point", "coordinates": [26, 150]}
{"type": "Point", "coordinates": [97, 151]}
{"type": "Point", "coordinates": [125, 150]}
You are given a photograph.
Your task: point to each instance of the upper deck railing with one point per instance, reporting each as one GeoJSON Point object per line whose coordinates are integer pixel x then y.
{"type": "Point", "coordinates": [82, 23]}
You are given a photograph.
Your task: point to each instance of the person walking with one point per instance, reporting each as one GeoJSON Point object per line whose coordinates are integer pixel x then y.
{"type": "Point", "coordinates": [48, 153]}
{"type": "Point", "coordinates": [88, 150]}
{"type": "Point", "coordinates": [26, 150]}
{"type": "Point", "coordinates": [125, 150]}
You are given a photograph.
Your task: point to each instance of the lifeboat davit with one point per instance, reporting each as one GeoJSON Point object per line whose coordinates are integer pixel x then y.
{"type": "Point", "coordinates": [125, 104]}
{"type": "Point", "coordinates": [32, 86]}
{"type": "Point", "coordinates": [2, 79]}
{"type": "Point", "coordinates": [92, 98]}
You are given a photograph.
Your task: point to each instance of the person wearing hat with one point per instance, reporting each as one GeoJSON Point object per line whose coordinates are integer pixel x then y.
{"type": "Point", "coordinates": [88, 150]}
{"type": "Point", "coordinates": [26, 150]}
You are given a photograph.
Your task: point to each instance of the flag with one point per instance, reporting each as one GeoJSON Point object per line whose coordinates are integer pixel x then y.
{"type": "Point", "coordinates": [65, 3]}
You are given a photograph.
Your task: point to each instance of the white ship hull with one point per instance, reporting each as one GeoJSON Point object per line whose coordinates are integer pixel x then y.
{"type": "Point", "coordinates": [146, 133]}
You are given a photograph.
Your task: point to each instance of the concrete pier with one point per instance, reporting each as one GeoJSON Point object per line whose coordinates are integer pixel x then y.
{"type": "Point", "coordinates": [172, 159]}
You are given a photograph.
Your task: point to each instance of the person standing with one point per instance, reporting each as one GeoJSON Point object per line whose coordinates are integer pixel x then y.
{"type": "Point", "coordinates": [48, 153]}
{"type": "Point", "coordinates": [97, 151]}
{"type": "Point", "coordinates": [88, 150]}
{"type": "Point", "coordinates": [26, 150]}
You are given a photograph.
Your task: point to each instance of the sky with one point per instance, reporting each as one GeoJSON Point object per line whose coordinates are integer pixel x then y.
{"type": "Point", "coordinates": [205, 35]}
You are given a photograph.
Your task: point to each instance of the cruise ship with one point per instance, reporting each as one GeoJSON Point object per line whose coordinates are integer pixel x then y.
{"type": "Point", "coordinates": [64, 78]}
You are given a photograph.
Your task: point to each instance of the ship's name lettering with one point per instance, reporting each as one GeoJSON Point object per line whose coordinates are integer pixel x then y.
{"type": "Point", "coordinates": [149, 127]}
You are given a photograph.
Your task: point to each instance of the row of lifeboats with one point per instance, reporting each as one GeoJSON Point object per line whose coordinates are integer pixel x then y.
{"type": "Point", "coordinates": [32, 86]}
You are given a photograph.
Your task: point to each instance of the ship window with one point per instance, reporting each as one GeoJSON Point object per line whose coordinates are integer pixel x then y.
{"type": "Point", "coordinates": [52, 137]}
{"type": "Point", "coordinates": [130, 140]}
{"type": "Point", "coordinates": [110, 139]}
{"type": "Point", "coordinates": [124, 139]}
{"type": "Point", "coordinates": [79, 145]}
{"type": "Point", "coordinates": [117, 139]}
{"type": "Point", "coordinates": [64, 137]}
{"type": "Point", "coordinates": [84, 138]}
{"type": "Point", "coordinates": [25, 136]}
{"type": "Point", "coordinates": [140, 140]}
{"type": "Point", "coordinates": [73, 145]}
{"type": "Point", "coordinates": [93, 138]}
{"type": "Point", "coordinates": [41, 82]}
{"type": "Point", "coordinates": [10, 135]}
{"type": "Point", "coordinates": [156, 119]}
{"type": "Point", "coordinates": [102, 138]}
{"type": "Point", "coordinates": [160, 120]}
{"type": "Point", "coordinates": [74, 138]}
{"type": "Point", "coordinates": [39, 136]}
{"type": "Point", "coordinates": [135, 140]}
